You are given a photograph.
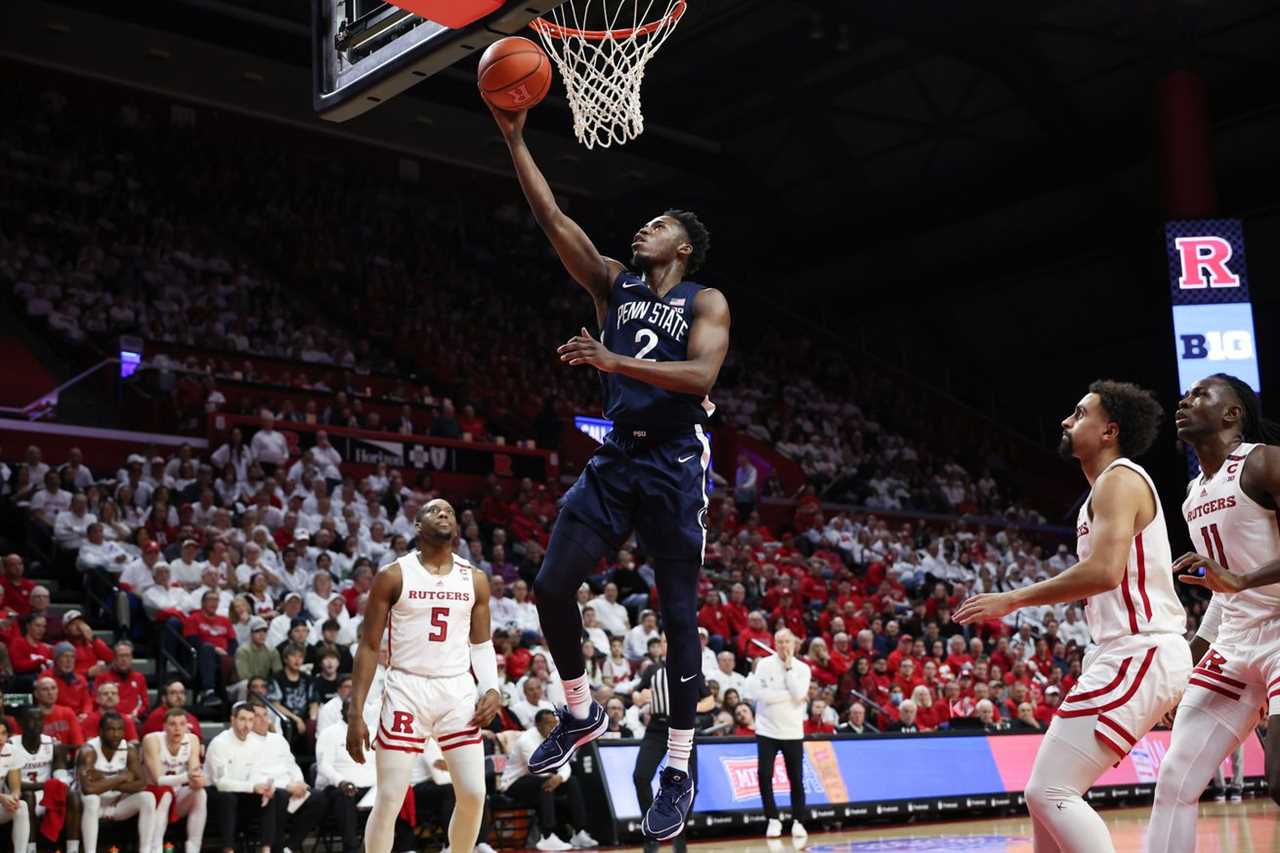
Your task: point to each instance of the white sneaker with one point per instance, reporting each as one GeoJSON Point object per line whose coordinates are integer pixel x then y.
{"type": "Point", "coordinates": [581, 840]}
{"type": "Point", "coordinates": [774, 829]}
{"type": "Point", "coordinates": [1236, 798]}
{"type": "Point", "coordinates": [552, 842]}
{"type": "Point", "coordinates": [484, 848]}
{"type": "Point", "coordinates": [798, 830]}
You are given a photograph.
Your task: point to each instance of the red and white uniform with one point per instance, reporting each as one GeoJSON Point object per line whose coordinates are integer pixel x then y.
{"type": "Point", "coordinates": [429, 690]}
{"type": "Point", "coordinates": [35, 767]}
{"type": "Point", "coordinates": [117, 763]}
{"type": "Point", "coordinates": [1241, 671]}
{"type": "Point", "coordinates": [1139, 666]}
{"type": "Point", "coordinates": [176, 764]}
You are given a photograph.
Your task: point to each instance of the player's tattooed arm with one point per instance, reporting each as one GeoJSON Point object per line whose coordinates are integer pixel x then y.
{"type": "Point", "coordinates": [1260, 480]}
{"type": "Point", "coordinates": [1120, 499]}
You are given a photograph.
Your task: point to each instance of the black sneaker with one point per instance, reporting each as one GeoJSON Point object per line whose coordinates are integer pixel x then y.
{"type": "Point", "coordinates": [665, 818]}
{"type": "Point", "coordinates": [569, 734]}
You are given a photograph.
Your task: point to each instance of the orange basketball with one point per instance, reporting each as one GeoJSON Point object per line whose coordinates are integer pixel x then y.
{"type": "Point", "coordinates": [514, 74]}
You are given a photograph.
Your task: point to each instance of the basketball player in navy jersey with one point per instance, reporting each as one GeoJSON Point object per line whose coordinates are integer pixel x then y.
{"type": "Point", "coordinates": [662, 341]}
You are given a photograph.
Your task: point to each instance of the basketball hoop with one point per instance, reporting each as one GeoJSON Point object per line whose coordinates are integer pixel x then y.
{"type": "Point", "coordinates": [603, 68]}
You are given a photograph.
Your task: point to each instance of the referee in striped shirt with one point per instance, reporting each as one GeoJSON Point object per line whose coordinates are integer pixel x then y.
{"type": "Point", "coordinates": [654, 691]}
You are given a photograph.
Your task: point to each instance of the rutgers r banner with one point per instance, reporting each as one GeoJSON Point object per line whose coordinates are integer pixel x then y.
{"type": "Point", "coordinates": [1209, 289]}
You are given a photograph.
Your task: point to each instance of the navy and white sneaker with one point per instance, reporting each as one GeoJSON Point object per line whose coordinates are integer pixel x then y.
{"type": "Point", "coordinates": [569, 734]}
{"type": "Point", "coordinates": [665, 818]}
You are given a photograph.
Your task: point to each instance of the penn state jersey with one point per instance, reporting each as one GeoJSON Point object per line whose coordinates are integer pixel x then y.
{"type": "Point", "coordinates": [1229, 526]}
{"type": "Point", "coordinates": [642, 325]}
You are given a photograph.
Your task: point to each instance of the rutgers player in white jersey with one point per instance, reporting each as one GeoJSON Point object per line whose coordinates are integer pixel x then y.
{"type": "Point", "coordinates": [112, 787]}
{"type": "Point", "coordinates": [435, 607]}
{"type": "Point", "coordinates": [1139, 665]}
{"type": "Point", "coordinates": [1231, 515]}
{"type": "Point", "coordinates": [172, 758]}
{"type": "Point", "coordinates": [13, 809]}
{"type": "Point", "coordinates": [39, 757]}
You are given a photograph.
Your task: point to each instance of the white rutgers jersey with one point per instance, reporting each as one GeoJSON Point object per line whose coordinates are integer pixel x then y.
{"type": "Point", "coordinates": [1145, 602]}
{"type": "Point", "coordinates": [1231, 528]}
{"type": "Point", "coordinates": [35, 767]}
{"type": "Point", "coordinates": [117, 763]}
{"type": "Point", "coordinates": [173, 765]}
{"type": "Point", "coordinates": [430, 624]}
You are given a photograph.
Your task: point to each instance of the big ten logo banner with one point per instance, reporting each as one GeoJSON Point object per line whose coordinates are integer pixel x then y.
{"type": "Point", "coordinates": [1206, 261]}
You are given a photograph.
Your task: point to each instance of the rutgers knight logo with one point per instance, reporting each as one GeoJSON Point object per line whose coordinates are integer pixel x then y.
{"type": "Point", "coordinates": [1204, 263]}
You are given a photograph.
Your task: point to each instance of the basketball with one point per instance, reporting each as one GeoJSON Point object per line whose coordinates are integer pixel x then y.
{"type": "Point", "coordinates": [514, 74]}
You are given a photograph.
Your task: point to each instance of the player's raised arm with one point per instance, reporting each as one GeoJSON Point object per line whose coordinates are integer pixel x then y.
{"type": "Point", "coordinates": [578, 254]}
{"type": "Point", "coordinates": [708, 345]}
{"type": "Point", "coordinates": [1120, 499]}
{"type": "Point", "coordinates": [384, 593]}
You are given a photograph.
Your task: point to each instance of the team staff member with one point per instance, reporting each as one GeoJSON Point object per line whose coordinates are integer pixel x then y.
{"type": "Point", "coordinates": [782, 691]}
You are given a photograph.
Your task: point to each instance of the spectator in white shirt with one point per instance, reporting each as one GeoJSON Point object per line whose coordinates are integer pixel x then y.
{"type": "Point", "coordinates": [503, 612]}
{"type": "Point", "coordinates": [160, 597]}
{"type": "Point", "coordinates": [516, 782]}
{"type": "Point", "coordinates": [343, 781]}
{"type": "Point", "coordinates": [327, 457]}
{"type": "Point", "coordinates": [1074, 629]}
{"type": "Point", "coordinates": [526, 612]}
{"type": "Point", "coordinates": [533, 701]}
{"type": "Point", "coordinates": [725, 675]}
{"type": "Point", "coordinates": [316, 601]}
{"type": "Point", "coordinates": [782, 692]}
{"type": "Point", "coordinates": [709, 666]}
{"type": "Point", "coordinates": [293, 577]}
{"type": "Point", "coordinates": [209, 582]}
{"type": "Point", "coordinates": [50, 500]}
{"type": "Point", "coordinates": [80, 475]}
{"type": "Point", "coordinates": [188, 571]}
{"type": "Point", "coordinates": [637, 642]}
{"type": "Point", "coordinates": [137, 575]}
{"type": "Point", "coordinates": [281, 768]}
{"type": "Point", "coordinates": [594, 632]}
{"type": "Point", "coordinates": [98, 553]}
{"type": "Point", "coordinates": [610, 613]}
{"type": "Point", "coordinates": [270, 448]}
{"type": "Point", "coordinates": [278, 627]}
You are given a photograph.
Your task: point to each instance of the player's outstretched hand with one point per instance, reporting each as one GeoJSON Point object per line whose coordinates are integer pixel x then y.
{"type": "Point", "coordinates": [487, 708]}
{"type": "Point", "coordinates": [979, 608]}
{"type": "Point", "coordinates": [357, 740]}
{"type": "Point", "coordinates": [584, 349]}
{"type": "Point", "coordinates": [510, 123]}
{"type": "Point", "coordinates": [1199, 570]}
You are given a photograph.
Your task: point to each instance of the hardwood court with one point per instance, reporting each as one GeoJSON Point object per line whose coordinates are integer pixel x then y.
{"type": "Point", "coordinates": [1248, 827]}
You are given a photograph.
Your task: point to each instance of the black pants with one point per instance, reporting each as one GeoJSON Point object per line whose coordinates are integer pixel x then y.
{"type": "Point", "coordinates": [652, 748]}
{"type": "Point", "coordinates": [433, 802]}
{"type": "Point", "coordinates": [291, 829]}
{"type": "Point", "coordinates": [767, 750]}
{"type": "Point", "coordinates": [527, 790]}
{"type": "Point", "coordinates": [344, 811]}
{"type": "Point", "coordinates": [236, 809]}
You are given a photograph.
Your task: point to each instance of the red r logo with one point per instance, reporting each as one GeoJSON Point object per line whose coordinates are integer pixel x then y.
{"type": "Point", "coordinates": [1204, 263]}
{"type": "Point", "coordinates": [401, 723]}
{"type": "Point", "coordinates": [1213, 661]}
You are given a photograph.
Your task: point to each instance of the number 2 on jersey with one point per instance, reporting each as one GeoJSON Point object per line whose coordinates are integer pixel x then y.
{"type": "Point", "coordinates": [651, 339]}
{"type": "Point", "coordinates": [439, 624]}
{"type": "Point", "coordinates": [1212, 538]}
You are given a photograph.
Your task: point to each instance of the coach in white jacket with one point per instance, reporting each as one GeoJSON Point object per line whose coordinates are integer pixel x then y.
{"type": "Point", "coordinates": [781, 689]}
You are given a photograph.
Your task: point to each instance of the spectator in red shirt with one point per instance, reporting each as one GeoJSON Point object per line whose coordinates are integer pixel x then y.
{"type": "Point", "coordinates": [906, 679]}
{"type": "Point", "coordinates": [842, 655]}
{"type": "Point", "coordinates": [901, 653]}
{"type": "Point", "coordinates": [821, 665]}
{"type": "Point", "coordinates": [1047, 708]}
{"type": "Point", "coordinates": [877, 683]}
{"type": "Point", "coordinates": [744, 720]}
{"type": "Point", "coordinates": [735, 610]}
{"type": "Point", "coordinates": [361, 583]}
{"type": "Point", "coordinates": [29, 653]}
{"type": "Point", "coordinates": [495, 509]}
{"type": "Point", "coordinates": [108, 700]}
{"type": "Point", "coordinates": [789, 614]}
{"type": "Point", "coordinates": [174, 696]}
{"type": "Point", "coordinates": [214, 639]}
{"type": "Point", "coordinates": [814, 724]}
{"type": "Point", "coordinates": [526, 526]}
{"type": "Point", "coordinates": [130, 685]}
{"type": "Point", "coordinates": [92, 654]}
{"type": "Point", "coordinates": [60, 722]}
{"type": "Point", "coordinates": [757, 629]}
{"type": "Point", "coordinates": [713, 617]}
{"type": "Point", "coordinates": [17, 589]}
{"type": "Point", "coordinates": [73, 688]}
{"type": "Point", "coordinates": [957, 657]}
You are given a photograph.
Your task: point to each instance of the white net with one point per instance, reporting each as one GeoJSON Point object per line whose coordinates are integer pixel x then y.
{"type": "Point", "coordinates": [603, 67]}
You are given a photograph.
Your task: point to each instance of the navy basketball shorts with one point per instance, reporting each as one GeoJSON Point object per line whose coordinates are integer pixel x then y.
{"type": "Point", "coordinates": [654, 484]}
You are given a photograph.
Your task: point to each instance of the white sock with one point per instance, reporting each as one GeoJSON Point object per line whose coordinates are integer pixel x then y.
{"type": "Point", "coordinates": [679, 747]}
{"type": "Point", "coordinates": [73, 846]}
{"type": "Point", "coordinates": [577, 691]}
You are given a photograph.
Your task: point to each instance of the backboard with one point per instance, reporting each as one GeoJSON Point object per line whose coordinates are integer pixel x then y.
{"type": "Point", "coordinates": [365, 52]}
